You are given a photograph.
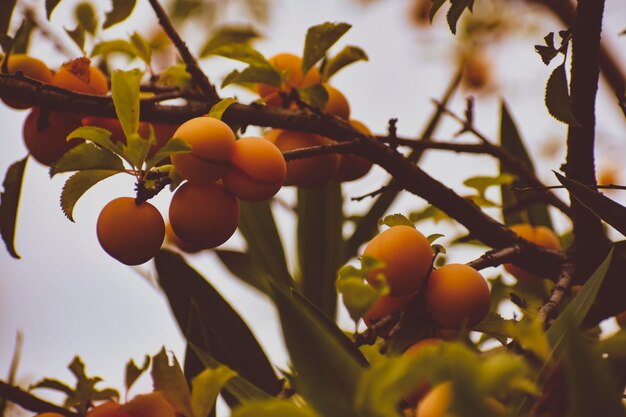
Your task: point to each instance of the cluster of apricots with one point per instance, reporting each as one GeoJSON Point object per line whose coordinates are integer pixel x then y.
{"type": "Point", "coordinates": [204, 211]}
{"type": "Point", "coordinates": [318, 170]}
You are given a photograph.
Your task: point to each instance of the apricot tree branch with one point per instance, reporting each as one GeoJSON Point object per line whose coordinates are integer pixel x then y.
{"type": "Point", "coordinates": [559, 290]}
{"type": "Point", "coordinates": [197, 75]}
{"type": "Point", "coordinates": [496, 257]}
{"type": "Point", "coordinates": [30, 402]}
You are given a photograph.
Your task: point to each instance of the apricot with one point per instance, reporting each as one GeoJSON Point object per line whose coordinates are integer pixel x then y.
{"type": "Point", "coordinates": [407, 256]}
{"type": "Point", "coordinates": [307, 172]}
{"type": "Point", "coordinates": [621, 319]}
{"type": "Point", "coordinates": [212, 145]}
{"type": "Point", "coordinates": [540, 236]}
{"type": "Point", "coordinates": [128, 232]}
{"type": "Point", "coordinates": [31, 68]}
{"type": "Point", "coordinates": [258, 169]}
{"type": "Point", "coordinates": [153, 404]}
{"type": "Point", "coordinates": [172, 238]}
{"type": "Point", "coordinates": [457, 294]}
{"type": "Point", "coordinates": [45, 135]}
{"type": "Point", "coordinates": [337, 104]}
{"type": "Point", "coordinates": [290, 66]}
{"type": "Point", "coordinates": [205, 215]}
{"type": "Point", "coordinates": [352, 167]}
{"type": "Point", "coordinates": [108, 409]}
{"type": "Point", "coordinates": [49, 414]}
{"type": "Point", "coordinates": [384, 306]}
{"type": "Point", "coordinates": [438, 400]}
{"type": "Point", "coordinates": [80, 76]}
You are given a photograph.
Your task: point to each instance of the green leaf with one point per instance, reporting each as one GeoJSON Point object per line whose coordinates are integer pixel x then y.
{"type": "Point", "coordinates": [86, 16]}
{"type": "Point", "coordinates": [87, 156]}
{"type": "Point", "coordinates": [50, 5]}
{"type": "Point", "coordinates": [395, 220]}
{"type": "Point", "coordinates": [117, 45]}
{"type": "Point", "coordinates": [99, 136]}
{"type": "Point", "coordinates": [142, 47]}
{"type": "Point", "coordinates": [510, 139]}
{"type": "Point", "coordinates": [175, 76]}
{"type": "Point", "coordinates": [572, 316]}
{"type": "Point", "coordinates": [557, 97]}
{"type": "Point", "coordinates": [348, 55]}
{"type": "Point", "coordinates": [496, 326]}
{"type": "Point", "coordinates": [125, 92]}
{"type": "Point", "coordinates": [120, 11]}
{"type": "Point", "coordinates": [6, 12]}
{"type": "Point", "coordinates": [133, 372]}
{"type": "Point", "coordinates": [480, 184]}
{"type": "Point", "coordinates": [457, 7]}
{"type": "Point", "coordinates": [434, 237]}
{"type": "Point", "coordinates": [197, 305]}
{"type": "Point", "coordinates": [241, 266]}
{"type": "Point", "coordinates": [172, 147]}
{"type": "Point", "coordinates": [437, 4]}
{"type": "Point", "coordinates": [242, 389]}
{"type": "Point", "coordinates": [253, 74]}
{"type": "Point", "coordinates": [357, 295]}
{"type": "Point", "coordinates": [168, 378]}
{"type": "Point", "coordinates": [318, 40]}
{"type": "Point", "coordinates": [314, 95]}
{"type": "Point", "coordinates": [137, 148]}
{"type": "Point", "coordinates": [614, 346]}
{"type": "Point", "coordinates": [77, 35]}
{"type": "Point", "coordinates": [9, 203]}
{"type": "Point", "coordinates": [85, 392]}
{"type": "Point", "coordinates": [319, 239]}
{"type": "Point", "coordinates": [78, 184]}
{"type": "Point", "coordinates": [258, 227]}
{"type": "Point", "coordinates": [329, 388]}
{"type": "Point", "coordinates": [273, 408]}
{"type": "Point", "coordinates": [54, 385]}
{"type": "Point", "coordinates": [23, 34]}
{"type": "Point", "coordinates": [240, 52]}
{"type": "Point", "coordinates": [206, 387]}
{"type": "Point", "coordinates": [606, 209]}
{"type": "Point", "coordinates": [228, 35]}
{"type": "Point", "coordinates": [218, 109]}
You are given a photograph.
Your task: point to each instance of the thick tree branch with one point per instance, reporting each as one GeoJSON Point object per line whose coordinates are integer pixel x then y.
{"type": "Point", "coordinates": [30, 402]}
{"type": "Point", "coordinates": [496, 257]}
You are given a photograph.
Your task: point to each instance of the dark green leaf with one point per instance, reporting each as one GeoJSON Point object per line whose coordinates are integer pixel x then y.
{"type": "Point", "coordinates": [50, 5]}
{"type": "Point", "coordinates": [273, 408]}
{"type": "Point", "coordinates": [347, 56]}
{"type": "Point", "coordinates": [253, 74]}
{"type": "Point", "coordinates": [173, 146]}
{"type": "Point", "coordinates": [315, 95]}
{"type": "Point", "coordinates": [319, 239]}
{"type": "Point", "coordinates": [77, 35]}
{"type": "Point", "coordinates": [218, 109]}
{"type": "Point", "coordinates": [206, 387]}
{"type": "Point", "coordinates": [547, 54]}
{"type": "Point", "coordinates": [557, 97]}
{"type": "Point", "coordinates": [125, 92]}
{"type": "Point", "coordinates": [6, 12]}
{"type": "Point", "coordinates": [168, 378]}
{"type": "Point", "coordinates": [457, 7]}
{"type": "Point", "coordinates": [241, 52]}
{"type": "Point", "coordinates": [196, 305]}
{"type": "Point", "coordinates": [318, 40]}
{"type": "Point", "coordinates": [133, 371]}
{"type": "Point", "coordinates": [241, 266]}
{"type": "Point", "coordinates": [480, 184]}
{"type": "Point", "coordinates": [395, 220]}
{"type": "Point", "coordinates": [78, 184]}
{"type": "Point", "coordinates": [606, 209]}
{"type": "Point", "coordinates": [87, 156]}
{"type": "Point", "coordinates": [117, 45]}
{"type": "Point", "coordinates": [120, 11]}
{"type": "Point", "coordinates": [9, 203]}
{"type": "Point", "coordinates": [142, 47]}
{"type": "Point", "coordinates": [258, 227]}
{"type": "Point", "coordinates": [86, 16]}
{"type": "Point", "coordinates": [54, 385]}
{"type": "Point", "coordinates": [22, 36]}
{"type": "Point", "coordinates": [229, 35]}
{"type": "Point", "coordinates": [435, 8]}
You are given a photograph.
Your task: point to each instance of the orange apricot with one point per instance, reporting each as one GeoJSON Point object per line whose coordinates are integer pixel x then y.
{"type": "Point", "coordinates": [258, 169]}
{"type": "Point", "coordinates": [540, 236]}
{"type": "Point", "coordinates": [205, 215]}
{"type": "Point", "coordinates": [172, 238]}
{"type": "Point", "coordinates": [457, 294]}
{"type": "Point", "coordinates": [153, 404]}
{"type": "Point", "coordinates": [31, 68]}
{"type": "Point", "coordinates": [45, 135]}
{"type": "Point", "coordinates": [129, 232]}
{"type": "Point", "coordinates": [306, 172]}
{"type": "Point", "coordinates": [80, 76]}
{"type": "Point", "coordinates": [49, 414]}
{"type": "Point", "coordinates": [108, 409]}
{"type": "Point", "coordinates": [384, 306]}
{"type": "Point", "coordinates": [290, 66]}
{"type": "Point", "coordinates": [212, 145]}
{"type": "Point", "coordinates": [407, 256]}
{"type": "Point", "coordinates": [337, 104]}
{"type": "Point", "coordinates": [352, 167]}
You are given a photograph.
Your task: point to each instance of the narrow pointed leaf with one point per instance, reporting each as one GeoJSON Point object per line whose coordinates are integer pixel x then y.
{"type": "Point", "coordinates": [457, 8]}
{"type": "Point", "coordinates": [557, 97]}
{"type": "Point", "coordinates": [22, 36]}
{"type": "Point", "coordinates": [87, 156]}
{"type": "Point", "coordinates": [120, 11]}
{"type": "Point", "coordinates": [240, 52]}
{"type": "Point", "coordinates": [50, 6]}
{"type": "Point", "coordinates": [606, 209]}
{"type": "Point", "coordinates": [78, 184]}
{"type": "Point", "coordinates": [206, 387]}
{"type": "Point", "coordinates": [437, 4]}
{"type": "Point", "coordinates": [142, 47]}
{"type": "Point", "coordinates": [229, 35]}
{"type": "Point", "coordinates": [9, 203]}
{"type": "Point", "coordinates": [318, 40]}
{"type": "Point", "coordinates": [77, 35]}
{"type": "Point", "coordinates": [253, 74]}
{"type": "Point", "coordinates": [218, 109]}
{"type": "Point", "coordinates": [172, 147]}
{"type": "Point", "coordinates": [168, 378]}
{"type": "Point", "coordinates": [348, 55]}
{"type": "Point", "coordinates": [240, 265]}
{"type": "Point", "coordinates": [86, 16]}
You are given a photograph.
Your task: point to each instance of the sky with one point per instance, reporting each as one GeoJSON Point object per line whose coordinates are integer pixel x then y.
{"type": "Point", "coordinates": [69, 298]}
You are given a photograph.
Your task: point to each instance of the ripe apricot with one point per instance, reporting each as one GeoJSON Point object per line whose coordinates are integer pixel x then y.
{"type": "Point", "coordinates": [153, 404]}
{"type": "Point", "coordinates": [307, 172]}
{"type": "Point", "coordinates": [257, 170]}
{"type": "Point", "coordinates": [172, 238]}
{"type": "Point", "coordinates": [49, 414]}
{"type": "Point", "coordinates": [45, 135]}
{"type": "Point", "coordinates": [31, 68]}
{"type": "Point", "coordinates": [212, 145]}
{"type": "Point", "coordinates": [456, 294]}
{"type": "Point", "coordinates": [337, 104]}
{"type": "Point", "coordinates": [352, 167]}
{"type": "Point", "coordinates": [204, 215]}
{"type": "Point", "coordinates": [407, 256]}
{"type": "Point", "coordinates": [108, 409]}
{"type": "Point", "coordinates": [291, 66]}
{"type": "Point", "coordinates": [541, 236]}
{"type": "Point", "coordinates": [80, 76]}
{"type": "Point", "coordinates": [384, 306]}
{"type": "Point", "coordinates": [128, 232]}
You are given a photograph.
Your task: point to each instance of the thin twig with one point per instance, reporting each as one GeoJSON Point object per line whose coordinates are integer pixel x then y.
{"type": "Point", "coordinates": [30, 402]}
{"type": "Point", "coordinates": [496, 257]}
{"type": "Point", "coordinates": [376, 192]}
{"type": "Point", "coordinates": [301, 153]}
{"type": "Point", "coordinates": [558, 292]}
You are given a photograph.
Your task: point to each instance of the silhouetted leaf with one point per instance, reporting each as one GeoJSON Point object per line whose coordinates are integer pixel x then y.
{"type": "Point", "coordinates": [218, 109]}
{"type": "Point", "coordinates": [133, 372]}
{"type": "Point", "coordinates": [9, 203]}
{"type": "Point", "coordinates": [348, 55]}
{"type": "Point", "coordinates": [78, 184]}
{"type": "Point", "coordinates": [436, 5]}
{"type": "Point", "coordinates": [228, 35]}
{"type": "Point", "coordinates": [23, 34]}
{"type": "Point", "coordinates": [318, 40]}
{"type": "Point", "coordinates": [50, 6]}
{"type": "Point", "coordinates": [86, 16]}
{"type": "Point", "coordinates": [120, 11]}
{"type": "Point", "coordinates": [168, 378]}
{"type": "Point", "coordinates": [77, 35]}
{"type": "Point", "coordinates": [240, 265]}
{"type": "Point", "coordinates": [557, 97]}
{"type": "Point", "coordinates": [87, 156]}
{"type": "Point", "coordinates": [457, 7]}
